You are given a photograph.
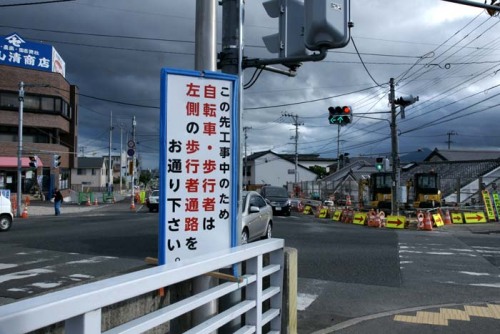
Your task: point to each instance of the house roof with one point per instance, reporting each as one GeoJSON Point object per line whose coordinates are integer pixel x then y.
{"type": "Point", "coordinates": [462, 155]}
{"type": "Point", "coordinates": [90, 162]}
{"type": "Point", "coordinates": [289, 157]}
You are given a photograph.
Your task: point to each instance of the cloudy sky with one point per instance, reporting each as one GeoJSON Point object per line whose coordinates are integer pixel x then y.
{"type": "Point", "coordinates": [445, 53]}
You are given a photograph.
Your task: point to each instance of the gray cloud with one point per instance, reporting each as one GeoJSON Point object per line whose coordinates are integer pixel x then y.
{"type": "Point", "coordinates": [391, 36]}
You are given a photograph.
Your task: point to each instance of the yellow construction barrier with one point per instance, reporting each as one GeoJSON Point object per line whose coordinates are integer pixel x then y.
{"type": "Point", "coordinates": [475, 217]}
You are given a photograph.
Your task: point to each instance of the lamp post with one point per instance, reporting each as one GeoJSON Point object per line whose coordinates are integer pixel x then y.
{"type": "Point", "coordinates": [20, 149]}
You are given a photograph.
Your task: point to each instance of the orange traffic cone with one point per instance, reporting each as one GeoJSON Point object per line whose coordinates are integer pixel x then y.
{"type": "Point", "coordinates": [96, 202]}
{"type": "Point", "coordinates": [24, 214]}
{"type": "Point", "coordinates": [371, 218]}
{"type": "Point", "coordinates": [427, 222]}
{"type": "Point", "coordinates": [420, 218]}
{"type": "Point", "coordinates": [88, 201]}
{"type": "Point", "coordinates": [348, 200]}
{"type": "Point", "coordinates": [132, 205]}
{"type": "Point", "coordinates": [381, 214]}
{"type": "Point", "coordinates": [447, 218]}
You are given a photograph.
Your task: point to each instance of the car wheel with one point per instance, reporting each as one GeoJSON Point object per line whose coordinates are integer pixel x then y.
{"type": "Point", "coordinates": [244, 237]}
{"type": "Point", "coordinates": [5, 223]}
{"type": "Point", "coordinates": [269, 231]}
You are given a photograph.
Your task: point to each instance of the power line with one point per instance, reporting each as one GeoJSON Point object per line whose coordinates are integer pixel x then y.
{"type": "Point", "coordinates": [34, 3]}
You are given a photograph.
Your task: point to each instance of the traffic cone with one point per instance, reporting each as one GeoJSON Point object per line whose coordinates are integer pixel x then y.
{"type": "Point", "coordinates": [88, 201]}
{"type": "Point", "coordinates": [427, 222]}
{"type": "Point", "coordinates": [132, 205]}
{"type": "Point", "coordinates": [420, 218]}
{"type": "Point", "coordinates": [381, 215]}
{"type": "Point", "coordinates": [24, 214]}
{"type": "Point", "coordinates": [96, 203]}
{"type": "Point", "coordinates": [447, 218]}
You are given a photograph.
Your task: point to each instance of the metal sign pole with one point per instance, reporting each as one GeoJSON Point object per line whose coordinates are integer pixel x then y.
{"type": "Point", "coordinates": [20, 149]}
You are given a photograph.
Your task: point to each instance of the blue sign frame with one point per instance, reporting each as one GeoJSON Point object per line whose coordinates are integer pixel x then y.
{"type": "Point", "coordinates": [164, 154]}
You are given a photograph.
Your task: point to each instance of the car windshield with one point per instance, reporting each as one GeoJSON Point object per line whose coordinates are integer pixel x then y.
{"type": "Point", "coordinates": [276, 191]}
{"type": "Point", "coordinates": [155, 193]}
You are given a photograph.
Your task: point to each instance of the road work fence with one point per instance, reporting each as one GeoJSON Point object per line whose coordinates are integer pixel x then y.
{"type": "Point", "coordinates": [80, 309]}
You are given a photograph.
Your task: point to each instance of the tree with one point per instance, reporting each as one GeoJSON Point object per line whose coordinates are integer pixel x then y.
{"type": "Point", "coordinates": [145, 176]}
{"type": "Point", "coordinates": [318, 170]}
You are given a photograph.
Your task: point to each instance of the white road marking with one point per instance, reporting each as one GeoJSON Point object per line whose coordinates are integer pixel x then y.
{"type": "Point", "coordinates": [304, 300]}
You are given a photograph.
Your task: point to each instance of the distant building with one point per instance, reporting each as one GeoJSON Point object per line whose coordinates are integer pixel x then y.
{"type": "Point", "coordinates": [267, 167]}
{"type": "Point", "coordinates": [50, 114]}
{"type": "Point", "coordinates": [91, 173]}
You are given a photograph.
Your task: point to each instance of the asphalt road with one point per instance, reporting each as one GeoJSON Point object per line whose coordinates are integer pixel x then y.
{"type": "Point", "coordinates": [355, 279]}
{"type": "Point", "coordinates": [352, 279]}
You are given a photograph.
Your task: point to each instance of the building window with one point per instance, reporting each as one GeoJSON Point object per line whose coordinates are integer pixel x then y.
{"type": "Point", "coordinates": [9, 100]}
{"type": "Point", "coordinates": [31, 102]}
{"type": "Point", "coordinates": [94, 171]}
{"type": "Point", "coordinates": [81, 171]}
{"type": "Point", "coordinates": [36, 103]}
{"type": "Point", "coordinates": [48, 103]}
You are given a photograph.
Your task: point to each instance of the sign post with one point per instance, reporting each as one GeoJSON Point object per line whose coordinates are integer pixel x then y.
{"type": "Point", "coordinates": [199, 163]}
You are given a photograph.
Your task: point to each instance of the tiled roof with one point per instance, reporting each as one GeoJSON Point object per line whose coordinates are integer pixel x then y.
{"type": "Point", "coordinates": [90, 162]}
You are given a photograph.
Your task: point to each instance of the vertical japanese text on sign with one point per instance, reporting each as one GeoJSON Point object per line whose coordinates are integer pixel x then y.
{"type": "Point", "coordinates": [199, 164]}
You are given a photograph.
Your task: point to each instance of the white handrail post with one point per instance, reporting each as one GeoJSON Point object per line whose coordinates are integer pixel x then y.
{"type": "Point", "coordinates": [277, 257]}
{"type": "Point", "coordinates": [88, 323]}
{"type": "Point", "coordinates": [254, 292]}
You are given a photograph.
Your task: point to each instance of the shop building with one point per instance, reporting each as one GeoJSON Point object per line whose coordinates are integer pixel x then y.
{"type": "Point", "coordinates": [48, 114]}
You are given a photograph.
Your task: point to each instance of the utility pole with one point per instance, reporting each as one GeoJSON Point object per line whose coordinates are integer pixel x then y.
{"type": "Point", "coordinates": [20, 149]}
{"type": "Point", "coordinates": [402, 102]}
{"type": "Point", "coordinates": [296, 137]}
{"type": "Point", "coordinates": [132, 205]}
{"type": "Point", "coordinates": [121, 156]}
{"type": "Point", "coordinates": [245, 130]}
{"type": "Point", "coordinates": [231, 60]}
{"type": "Point", "coordinates": [205, 59]}
{"type": "Point", "coordinates": [338, 147]}
{"type": "Point", "coordinates": [450, 133]}
{"type": "Point", "coordinates": [394, 150]}
{"type": "Point", "coordinates": [110, 167]}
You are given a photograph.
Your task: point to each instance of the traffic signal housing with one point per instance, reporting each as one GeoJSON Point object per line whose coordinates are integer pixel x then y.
{"type": "Point", "coordinates": [379, 164]}
{"type": "Point", "coordinates": [326, 24]}
{"type": "Point", "coordinates": [33, 161]}
{"type": "Point", "coordinates": [289, 41]}
{"type": "Point", "coordinates": [340, 115]}
{"type": "Point", "coordinates": [56, 161]}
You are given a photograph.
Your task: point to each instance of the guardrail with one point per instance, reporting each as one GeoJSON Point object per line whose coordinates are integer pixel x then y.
{"type": "Point", "coordinates": [80, 307]}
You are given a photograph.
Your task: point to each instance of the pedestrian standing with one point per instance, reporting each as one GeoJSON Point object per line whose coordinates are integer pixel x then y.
{"type": "Point", "coordinates": [58, 198]}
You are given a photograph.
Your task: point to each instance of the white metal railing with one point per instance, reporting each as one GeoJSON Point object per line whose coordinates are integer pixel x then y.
{"type": "Point", "coordinates": [80, 307]}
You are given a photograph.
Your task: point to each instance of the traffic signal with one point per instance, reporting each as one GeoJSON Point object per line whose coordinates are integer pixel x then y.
{"type": "Point", "coordinates": [56, 161]}
{"type": "Point", "coordinates": [33, 161]}
{"type": "Point", "coordinates": [289, 41]}
{"type": "Point", "coordinates": [340, 115]}
{"type": "Point", "coordinates": [326, 24]}
{"type": "Point", "coordinates": [379, 164]}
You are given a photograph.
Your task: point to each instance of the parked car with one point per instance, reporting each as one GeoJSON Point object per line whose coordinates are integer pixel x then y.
{"type": "Point", "coordinates": [153, 200]}
{"type": "Point", "coordinates": [257, 217]}
{"type": "Point", "coordinates": [6, 216]}
{"type": "Point", "coordinates": [295, 204]}
{"type": "Point", "coordinates": [278, 198]}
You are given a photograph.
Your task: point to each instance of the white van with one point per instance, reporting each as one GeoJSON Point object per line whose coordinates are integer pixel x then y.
{"type": "Point", "coordinates": [6, 216]}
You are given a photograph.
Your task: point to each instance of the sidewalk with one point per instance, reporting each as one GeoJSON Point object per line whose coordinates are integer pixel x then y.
{"type": "Point", "coordinates": [46, 208]}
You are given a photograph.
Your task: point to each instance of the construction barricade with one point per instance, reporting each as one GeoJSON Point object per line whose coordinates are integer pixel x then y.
{"type": "Point", "coordinates": [87, 198]}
